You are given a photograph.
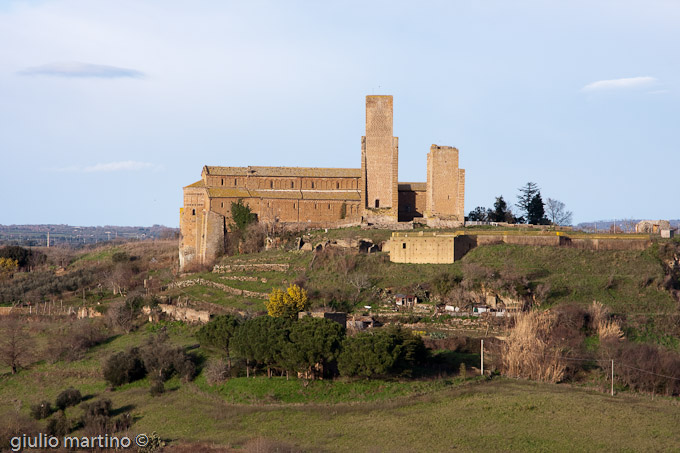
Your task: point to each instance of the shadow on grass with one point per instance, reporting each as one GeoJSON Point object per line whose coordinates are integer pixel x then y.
{"type": "Point", "coordinates": [122, 410]}
{"type": "Point", "coordinates": [447, 363]}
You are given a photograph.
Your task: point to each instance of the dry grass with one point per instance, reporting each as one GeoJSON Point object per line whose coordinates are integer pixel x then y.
{"type": "Point", "coordinates": [607, 328]}
{"type": "Point", "coordinates": [528, 353]}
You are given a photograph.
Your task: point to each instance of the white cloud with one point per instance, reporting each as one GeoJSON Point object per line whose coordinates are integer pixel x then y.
{"type": "Point", "coordinates": [620, 84]}
{"type": "Point", "coordinates": [76, 69]}
{"type": "Point", "coordinates": [126, 165]}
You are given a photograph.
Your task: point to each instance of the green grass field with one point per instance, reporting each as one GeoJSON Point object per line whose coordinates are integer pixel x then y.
{"type": "Point", "coordinates": [447, 414]}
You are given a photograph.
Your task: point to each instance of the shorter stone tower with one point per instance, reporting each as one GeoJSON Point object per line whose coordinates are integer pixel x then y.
{"type": "Point", "coordinates": [445, 197]}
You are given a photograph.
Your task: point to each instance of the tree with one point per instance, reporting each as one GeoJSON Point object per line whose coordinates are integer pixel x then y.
{"type": "Point", "coordinates": [479, 214]}
{"type": "Point", "coordinates": [557, 213]}
{"type": "Point", "coordinates": [526, 195]}
{"type": "Point", "coordinates": [241, 215]}
{"type": "Point", "coordinates": [501, 212]}
{"type": "Point", "coordinates": [8, 267]}
{"type": "Point", "coordinates": [314, 344]}
{"type": "Point", "coordinates": [535, 211]}
{"type": "Point", "coordinates": [219, 333]}
{"type": "Point", "coordinates": [261, 340]}
{"type": "Point", "coordinates": [16, 346]}
{"type": "Point", "coordinates": [287, 304]}
{"type": "Point", "coordinates": [388, 351]}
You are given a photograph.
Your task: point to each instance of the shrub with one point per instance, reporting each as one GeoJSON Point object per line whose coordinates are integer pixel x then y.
{"type": "Point", "coordinates": [124, 367]}
{"type": "Point", "coordinates": [58, 425]}
{"type": "Point", "coordinates": [67, 398]}
{"type": "Point", "coordinates": [287, 304]}
{"type": "Point", "coordinates": [41, 410]}
{"type": "Point", "coordinates": [120, 257]}
{"type": "Point", "coordinates": [216, 372]}
{"type": "Point", "coordinates": [96, 418]}
{"type": "Point", "coordinates": [157, 387]}
{"type": "Point", "coordinates": [162, 360]}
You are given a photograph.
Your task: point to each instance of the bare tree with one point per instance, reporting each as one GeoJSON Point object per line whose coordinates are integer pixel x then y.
{"type": "Point", "coordinates": [16, 346]}
{"type": "Point", "coordinates": [557, 212]}
{"type": "Point", "coordinates": [359, 281]}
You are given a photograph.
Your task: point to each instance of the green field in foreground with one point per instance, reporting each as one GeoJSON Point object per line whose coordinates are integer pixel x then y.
{"type": "Point", "coordinates": [499, 415]}
{"type": "Point", "coordinates": [491, 415]}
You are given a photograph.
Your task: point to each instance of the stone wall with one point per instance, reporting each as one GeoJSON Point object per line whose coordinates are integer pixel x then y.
{"type": "Point", "coordinates": [226, 288]}
{"type": "Point", "coordinates": [260, 267]}
{"type": "Point", "coordinates": [421, 249]}
{"type": "Point", "coordinates": [449, 247]}
{"type": "Point", "coordinates": [185, 314]}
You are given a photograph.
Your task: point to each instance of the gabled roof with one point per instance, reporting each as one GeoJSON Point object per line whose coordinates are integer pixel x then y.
{"type": "Point", "coordinates": [197, 184]}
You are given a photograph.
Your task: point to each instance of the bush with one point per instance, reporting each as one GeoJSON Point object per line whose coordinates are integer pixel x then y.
{"type": "Point", "coordinates": [216, 372]}
{"type": "Point", "coordinates": [157, 387]}
{"type": "Point", "coordinates": [41, 410]}
{"type": "Point", "coordinates": [67, 398]}
{"type": "Point", "coordinates": [124, 367]}
{"type": "Point", "coordinates": [162, 360]}
{"type": "Point", "coordinates": [58, 425]}
{"type": "Point", "coordinates": [96, 419]}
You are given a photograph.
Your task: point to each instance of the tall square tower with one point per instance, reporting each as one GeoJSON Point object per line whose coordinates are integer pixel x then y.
{"type": "Point", "coordinates": [445, 197]}
{"type": "Point", "coordinates": [380, 159]}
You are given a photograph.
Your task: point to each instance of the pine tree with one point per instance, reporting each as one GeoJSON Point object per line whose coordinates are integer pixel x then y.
{"type": "Point", "coordinates": [526, 195]}
{"type": "Point", "coordinates": [536, 211]}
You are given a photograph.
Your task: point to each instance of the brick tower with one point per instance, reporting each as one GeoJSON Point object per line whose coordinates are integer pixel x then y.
{"type": "Point", "coordinates": [379, 161]}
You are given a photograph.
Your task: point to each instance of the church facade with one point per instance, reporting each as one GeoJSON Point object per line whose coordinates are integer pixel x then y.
{"type": "Point", "coordinates": [324, 197]}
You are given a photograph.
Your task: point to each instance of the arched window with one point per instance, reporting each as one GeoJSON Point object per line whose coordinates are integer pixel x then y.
{"type": "Point", "coordinates": [222, 181]}
{"type": "Point", "coordinates": [377, 203]}
{"type": "Point", "coordinates": [193, 212]}
{"type": "Point", "coordinates": [312, 184]}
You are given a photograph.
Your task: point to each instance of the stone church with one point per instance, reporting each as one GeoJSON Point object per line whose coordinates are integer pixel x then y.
{"type": "Point", "coordinates": [325, 197]}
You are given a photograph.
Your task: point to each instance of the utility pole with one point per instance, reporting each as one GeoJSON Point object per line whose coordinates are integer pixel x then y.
{"type": "Point", "coordinates": [612, 377]}
{"type": "Point", "coordinates": [482, 359]}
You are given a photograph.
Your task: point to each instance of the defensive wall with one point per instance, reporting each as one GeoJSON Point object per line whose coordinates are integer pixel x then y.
{"type": "Point", "coordinates": [446, 247]}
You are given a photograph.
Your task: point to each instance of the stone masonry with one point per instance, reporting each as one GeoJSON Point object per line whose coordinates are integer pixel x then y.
{"type": "Point", "coordinates": [324, 197]}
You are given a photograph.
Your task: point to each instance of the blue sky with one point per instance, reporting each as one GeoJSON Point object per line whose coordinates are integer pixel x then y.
{"type": "Point", "coordinates": [108, 108]}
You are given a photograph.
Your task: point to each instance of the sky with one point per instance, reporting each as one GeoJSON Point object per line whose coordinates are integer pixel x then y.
{"type": "Point", "coordinates": [109, 108]}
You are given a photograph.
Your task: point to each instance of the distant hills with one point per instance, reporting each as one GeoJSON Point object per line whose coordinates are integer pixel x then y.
{"type": "Point", "coordinates": [36, 235]}
{"type": "Point", "coordinates": [626, 225]}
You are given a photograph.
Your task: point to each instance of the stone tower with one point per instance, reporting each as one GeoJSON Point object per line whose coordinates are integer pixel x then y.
{"type": "Point", "coordinates": [379, 161]}
{"type": "Point", "coordinates": [445, 184]}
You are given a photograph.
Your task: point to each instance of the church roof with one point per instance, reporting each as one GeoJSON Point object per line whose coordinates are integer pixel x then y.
{"type": "Point", "coordinates": [197, 184]}
{"type": "Point", "coordinates": [284, 171]}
